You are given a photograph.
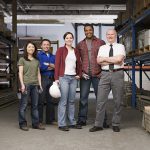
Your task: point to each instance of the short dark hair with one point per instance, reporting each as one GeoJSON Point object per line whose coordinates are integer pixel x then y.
{"type": "Point", "coordinates": [45, 40]}
{"type": "Point", "coordinates": [67, 34]}
{"type": "Point", "coordinates": [26, 53]}
{"type": "Point", "coordinates": [88, 25]}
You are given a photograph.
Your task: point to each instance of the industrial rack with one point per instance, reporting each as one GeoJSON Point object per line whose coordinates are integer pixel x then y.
{"type": "Point", "coordinates": [135, 24]}
{"type": "Point", "coordinates": [7, 95]}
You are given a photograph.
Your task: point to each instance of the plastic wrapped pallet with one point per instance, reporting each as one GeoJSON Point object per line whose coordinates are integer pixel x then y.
{"type": "Point", "coordinates": [146, 118]}
{"type": "Point", "coordinates": [140, 39]}
{"type": "Point", "coordinates": [127, 41]}
{"type": "Point", "coordinates": [147, 38]}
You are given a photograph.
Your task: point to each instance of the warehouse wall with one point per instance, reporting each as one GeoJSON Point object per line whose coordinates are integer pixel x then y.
{"type": "Point", "coordinates": [56, 32]}
{"type": "Point", "coordinates": [51, 32]}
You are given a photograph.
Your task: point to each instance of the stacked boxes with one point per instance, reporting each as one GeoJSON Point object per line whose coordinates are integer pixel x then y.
{"type": "Point", "coordinates": [146, 118]}
{"type": "Point", "coordinates": [1, 23]}
{"type": "Point", "coordinates": [140, 5]}
{"type": "Point", "coordinates": [127, 94]}
{"type": "Point", "coordinates": [143, 41]}
{"type": "Point", "coordinates": [140, 39]}
{"type": "Point", "coordinates": [142, 101]}
{"type": "Point", "coordinates": [126, 40]}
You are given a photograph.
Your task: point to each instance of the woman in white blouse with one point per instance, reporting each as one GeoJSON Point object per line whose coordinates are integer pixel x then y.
{"type": "Point", "coordinates": [67, 72]}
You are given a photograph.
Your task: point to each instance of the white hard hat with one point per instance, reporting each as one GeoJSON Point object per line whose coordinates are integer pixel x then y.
{"type": "Point", "coordinates": [54, 90]}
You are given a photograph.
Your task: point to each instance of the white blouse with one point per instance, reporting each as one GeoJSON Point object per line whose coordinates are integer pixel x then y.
{"type": "Point", "coordinates": [70, 63]}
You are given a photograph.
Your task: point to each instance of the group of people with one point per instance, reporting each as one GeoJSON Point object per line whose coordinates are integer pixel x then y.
{"type": "Point", "coordinates": [91, 62]}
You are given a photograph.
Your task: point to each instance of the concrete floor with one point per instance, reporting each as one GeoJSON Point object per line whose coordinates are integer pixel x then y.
{"type": "Point", "coordinates": [131, 137]}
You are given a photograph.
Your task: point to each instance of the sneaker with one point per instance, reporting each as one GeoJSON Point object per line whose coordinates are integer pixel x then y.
{"type": "Point", "coordinates": [64, 128]}
{"type": "Point", "coordinates": [77, 126]}
{"type": "Point", "coordinates": [24, 128]}
{"type": "Point", "coordinates": [95, 128]}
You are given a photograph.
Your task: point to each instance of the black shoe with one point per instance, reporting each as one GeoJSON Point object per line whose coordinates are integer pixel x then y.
{"type": "Point", "coordinates": [81, 123]}
{"type": "Point", "coordinates": [75, 126]}
{"type": "Point", "coordinates": [116, 128]}
{"type": "Point", "coordinates": [95, 128]}
{"type": "Point", "coordinates": [24, 128]}
{"type": "Point", "coordinates": [64, 128]}
{"type": "Point", "coordinates": [105, 125]}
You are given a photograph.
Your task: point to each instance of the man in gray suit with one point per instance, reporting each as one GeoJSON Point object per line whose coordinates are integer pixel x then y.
{"type": "Point", "coordinates": [111, 58]}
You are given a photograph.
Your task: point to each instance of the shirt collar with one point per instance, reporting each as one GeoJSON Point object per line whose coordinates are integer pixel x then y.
{"type": "Point", "coordinates": [112, 44]}
{"type": "Point", "coordinates": [43, 52]}
{"type": "Point", "coordinates": [94, 38]}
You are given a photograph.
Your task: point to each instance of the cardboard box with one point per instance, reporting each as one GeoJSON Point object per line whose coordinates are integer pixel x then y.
{"type": "Point", "coordinates": [146, 41]}
{"type": "Point", "coordinates": [147, 33]}
{"type": "Point", "coordinates": [139, 5]}
{"type": "Point", "coordinates": [146, 118]}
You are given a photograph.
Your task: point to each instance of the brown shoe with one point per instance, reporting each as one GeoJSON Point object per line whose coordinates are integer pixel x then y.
{"type": "Point", "coordinates": [24, 128]}
{"type": "Point", "coordinates": [40, 127]}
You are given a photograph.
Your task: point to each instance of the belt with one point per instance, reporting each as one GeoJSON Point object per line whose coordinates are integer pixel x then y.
{"type": "Point", "coordinates": [114, 70]}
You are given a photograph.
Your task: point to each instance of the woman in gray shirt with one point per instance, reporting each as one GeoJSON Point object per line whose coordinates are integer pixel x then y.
{"type": "Point", "coordinates": [30, 81]}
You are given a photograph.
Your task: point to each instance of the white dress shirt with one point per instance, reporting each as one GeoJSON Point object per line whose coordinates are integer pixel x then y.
{"type": "Point", "coordinates": [118, 49]}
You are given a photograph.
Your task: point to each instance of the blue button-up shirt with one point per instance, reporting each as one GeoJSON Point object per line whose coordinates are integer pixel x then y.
{"type": "Point", "coordinates": [43, 59]}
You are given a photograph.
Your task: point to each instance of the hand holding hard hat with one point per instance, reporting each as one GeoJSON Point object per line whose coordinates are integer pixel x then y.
{"type": "Point", "coordinates": [54, 90]}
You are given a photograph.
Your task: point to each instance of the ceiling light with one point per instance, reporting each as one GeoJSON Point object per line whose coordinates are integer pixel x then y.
{"type": "Point", "coordinates": [31, 24]}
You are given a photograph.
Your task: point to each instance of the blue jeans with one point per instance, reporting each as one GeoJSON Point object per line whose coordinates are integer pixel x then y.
{"type": "Point", "coordinates": [32, 91]}
{"type": "Point", "coordinates": [45, 97]}
{"type": "Point", "coordinates": [66, 106]}
{"type": "Point", "coordinates": [84, 93]}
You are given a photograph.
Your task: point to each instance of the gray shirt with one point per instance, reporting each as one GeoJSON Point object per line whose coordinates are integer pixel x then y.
{"type": "Point", "coordinates": [89, 46]}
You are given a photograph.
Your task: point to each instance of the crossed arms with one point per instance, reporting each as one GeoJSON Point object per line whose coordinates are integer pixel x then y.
{"type": "Point", "coordinates": [118, 60]}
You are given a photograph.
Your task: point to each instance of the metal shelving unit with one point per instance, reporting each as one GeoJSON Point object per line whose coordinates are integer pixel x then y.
{"type": "Point", "coordinates": [135, 25]}
{"type": "Point", "coordinates": [7, 95]}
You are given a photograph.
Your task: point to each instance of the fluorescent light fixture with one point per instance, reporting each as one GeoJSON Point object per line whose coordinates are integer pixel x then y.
{"type": "Point", "coordinates": [23, 19]}
{"type": "Point", "coordinates": [31, 24]}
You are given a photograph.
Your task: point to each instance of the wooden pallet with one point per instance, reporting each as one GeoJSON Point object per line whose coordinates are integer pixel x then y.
{"type": "Point", "coordinates": [141, 51]}
{"type": "Point", "coordinates": [135, 52]}
{"type": "Point", "coordinates": [143, 101]}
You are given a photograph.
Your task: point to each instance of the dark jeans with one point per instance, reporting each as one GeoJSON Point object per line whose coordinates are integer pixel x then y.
{"type": "Point", "coordinates": [45, 97]}
{"type": "Point", "coordinates": [32, 91]}
{"type": "Point", "coordinates": [84, 93]}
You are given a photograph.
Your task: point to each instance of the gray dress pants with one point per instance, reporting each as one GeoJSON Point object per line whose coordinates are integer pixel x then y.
{"type": "Point", "coordinates": [110, 81]}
